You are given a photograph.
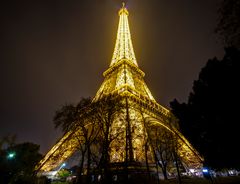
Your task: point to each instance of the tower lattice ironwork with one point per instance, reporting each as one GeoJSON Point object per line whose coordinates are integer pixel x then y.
{"type": "Point", "coordinates": [125, 78]}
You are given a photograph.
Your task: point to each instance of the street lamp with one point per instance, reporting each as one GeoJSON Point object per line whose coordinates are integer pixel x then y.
{"type": "Point", "coordinates": [11, 155]}
{"type": "Point", "coordinates": [205, 170]}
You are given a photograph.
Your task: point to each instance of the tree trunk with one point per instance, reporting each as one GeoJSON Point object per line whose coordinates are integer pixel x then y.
{"type": "Point", "coordinates": [164, 167]}
{"type": "Point", "coordinates": [106, 174]}
{"type": "Point", "coordinates": [157, 172]}
{"type": "Point", "coordinates": [79, 173]}
{"type": "Point", "coordinates": [177, 167]}
{"type": "Point", "coordinates": [146, 158]}
{"type": "Point", "coordinates": [164, 170]}
{"type": "Point", "coordinates": [88, 163]}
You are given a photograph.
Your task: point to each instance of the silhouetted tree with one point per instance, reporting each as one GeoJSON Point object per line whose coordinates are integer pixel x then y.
{"type": "Point", "coordinates": [17, 163]}
{"type": "Point", "coordinates": [209, 118]}
{"type": "Point", "coordinates": [92, 122]}
{"type": "Point", "coordinates": [79, 119]}
{"type": "Point", "coordinates": [174, 147]}
{"type": "Point", "coordinates": [160, 141]}
{"type": "Point", "coordinates": [107, 110]}
{"type": "Point", "coordinates": [228, 27]}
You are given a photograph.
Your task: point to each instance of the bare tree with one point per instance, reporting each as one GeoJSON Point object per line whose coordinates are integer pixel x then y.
{"type": "Point", "coordinates": [159, 138]}
{"type": "Point", "coordinates": [78, 119]}
{"type": "Point", "coordinates": [175, 146]}
{"type": "Point", "coordinates": [106, 111]}
{"type": "Point", "coordinates": [92, 124]}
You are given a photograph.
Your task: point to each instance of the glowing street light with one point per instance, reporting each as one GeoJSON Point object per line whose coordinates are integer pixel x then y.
{"type": "Point", "coordinates": [11, 155]}
{"type": "Point", "coordinates": [205, 170]}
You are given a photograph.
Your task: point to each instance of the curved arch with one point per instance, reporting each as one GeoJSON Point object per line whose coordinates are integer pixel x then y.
{"type": "Point", "coordinates": [194, 157]}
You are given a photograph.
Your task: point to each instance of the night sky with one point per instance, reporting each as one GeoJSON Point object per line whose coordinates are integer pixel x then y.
{"type": "Point", "coordinates": [54, 52]}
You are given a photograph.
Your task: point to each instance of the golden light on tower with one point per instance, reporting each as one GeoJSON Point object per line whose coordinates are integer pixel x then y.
{"type": "Point", "coordinates": [124, 78]}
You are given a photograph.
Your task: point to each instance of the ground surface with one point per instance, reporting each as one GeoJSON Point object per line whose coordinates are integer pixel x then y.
{"type": "Point", "coordinates": [219, 180]}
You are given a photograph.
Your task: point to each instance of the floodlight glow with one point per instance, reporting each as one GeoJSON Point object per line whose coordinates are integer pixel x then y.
{"type": "Point", "coordinates": [192, 170]}
{"type": "Point", "coordinates": [55, 172]}
{"type": "Point", "coordinates": [205, 170]}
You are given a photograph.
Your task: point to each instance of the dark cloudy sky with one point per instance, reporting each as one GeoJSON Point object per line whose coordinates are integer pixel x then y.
{"type": "Point", "coordinates": [54, 52]}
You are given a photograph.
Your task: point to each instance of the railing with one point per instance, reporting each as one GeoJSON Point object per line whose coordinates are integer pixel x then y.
{"type": "Point", "coordinates": [144, 101]}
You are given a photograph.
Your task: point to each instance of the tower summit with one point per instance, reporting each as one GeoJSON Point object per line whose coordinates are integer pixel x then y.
{"type": "Point", "coordinates": [142, 129]}
{"type": "Point", "coordinates": [123, 47]}
{"type": "Point", "coordinates": [123, 74]}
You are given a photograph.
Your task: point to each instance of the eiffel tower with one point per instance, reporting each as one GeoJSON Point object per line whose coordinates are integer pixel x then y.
{"type": "Point", "coordinates": [124, 78]}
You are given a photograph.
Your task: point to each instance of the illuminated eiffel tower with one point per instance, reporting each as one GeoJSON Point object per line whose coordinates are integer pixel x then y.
{"type": "Point", "coordinates": [125, 78]}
